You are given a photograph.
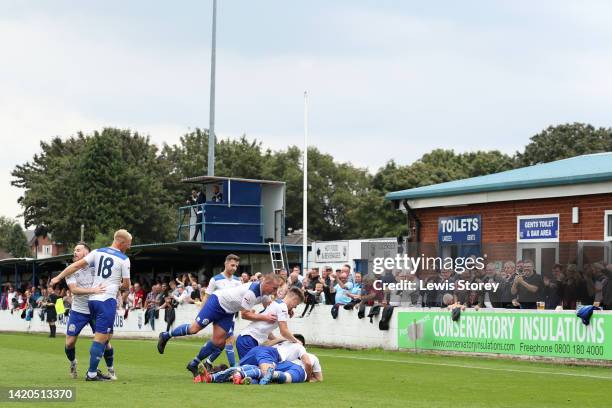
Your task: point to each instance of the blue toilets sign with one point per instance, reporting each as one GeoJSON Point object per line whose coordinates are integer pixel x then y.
{"type": "Point", "coordinates": [463, 229]}
{"type": "Point", "coordinates": [542, 228]}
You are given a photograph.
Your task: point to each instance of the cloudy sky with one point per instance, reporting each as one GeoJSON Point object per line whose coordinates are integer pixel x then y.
{"type": "Point", "coordinates": [386, 79]}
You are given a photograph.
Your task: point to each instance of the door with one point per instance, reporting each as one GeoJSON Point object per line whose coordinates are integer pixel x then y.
{"type": "Point", "coordinates": [543, 255]}
{"type": "Point", "coordinates": [278, 225]}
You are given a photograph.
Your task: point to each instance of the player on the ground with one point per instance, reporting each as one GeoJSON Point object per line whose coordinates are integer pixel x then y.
{"type": "Point", "coordinates": [286, 372]}
{"type": "Point", "coordinates": [112, 269]}
{"type": "Point", "coordinates": [219, 310]}
{"type": "Point", "coordinates": [80, 285]}
{"type": "Point", "coordinates": [266, 359]}
{"type": "Point", "coordinates": [221, 281]}
{"type": "Point", "coordinates": [259, 332]}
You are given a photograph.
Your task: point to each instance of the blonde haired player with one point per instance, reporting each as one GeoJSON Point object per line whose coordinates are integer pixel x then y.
{"type": "Point", "coordinates": [112, 270]}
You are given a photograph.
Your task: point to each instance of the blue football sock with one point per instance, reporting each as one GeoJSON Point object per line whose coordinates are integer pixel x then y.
{"type": "Point", "coordinates": [70, 353]}
{"type": "Point", "coordinates": [251, 371]}
{"type": "Point", "coordinates": [214, 356]}
{"type": "Point", "coordinates": [267, 377]}
{"type": "Point", "coordinates": [223, 376]}
{"type": "Point", "coordinates": [279, 377]}
{"type": "Point", "coordinates": [109, 357]}
{"type": "Point", "coordinates": [208, 349]}
{"type": "Point", "coordinates": [182, 330]}
{"type": "Point", "coordinates": [231, 356]}
{"type": "Point", "coordinates": [95, 354]}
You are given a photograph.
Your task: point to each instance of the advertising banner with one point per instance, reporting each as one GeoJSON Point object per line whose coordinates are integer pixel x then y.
{"type": "Point", "coordinates": [336, 251]}
{"type": "Point", "coordinates": [533, 333]}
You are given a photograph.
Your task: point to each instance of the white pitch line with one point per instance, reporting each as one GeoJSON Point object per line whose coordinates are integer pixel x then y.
{"type": "Point", "coordinates": [509, 370]}
{"type": "Point", "coordinates": [512, 370]}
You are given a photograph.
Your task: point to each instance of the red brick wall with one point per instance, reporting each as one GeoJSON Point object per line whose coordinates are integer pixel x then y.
{"type": "Point", "coordinates": [499, 221]}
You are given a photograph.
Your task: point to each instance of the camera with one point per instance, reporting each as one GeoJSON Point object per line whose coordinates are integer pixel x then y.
{"type": "Point", "coordinates": [520, 272]}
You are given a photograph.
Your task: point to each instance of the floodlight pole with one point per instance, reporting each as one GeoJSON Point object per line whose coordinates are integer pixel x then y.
{"type": "Point", "coordinates": [305, 190]}
{"type": "Point", "coordinates": [211, 126]}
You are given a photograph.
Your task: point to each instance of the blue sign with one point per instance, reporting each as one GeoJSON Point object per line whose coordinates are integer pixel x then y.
{"type": "Point", "coordinates": [464, 229]}
{"type": "Point", "coordinates": [538, 228]}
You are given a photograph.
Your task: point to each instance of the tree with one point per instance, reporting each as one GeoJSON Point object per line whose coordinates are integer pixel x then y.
{"type": "Point", "coordinates": [108, 180]}
{"type": "Point", "coordinates": [563, 141]}
{"type": "Point", "coordinates": [13, 239]}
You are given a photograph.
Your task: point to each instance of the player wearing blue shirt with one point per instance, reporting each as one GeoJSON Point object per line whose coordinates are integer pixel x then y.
{"type": "Point", "coordinates": [112, 270]}
{"type": "Point", "coordinates": [221, 281]}
{"type": "Point", "coordinates": [219, 310]}
{"type": "Point", "coordinates": [80, 285]}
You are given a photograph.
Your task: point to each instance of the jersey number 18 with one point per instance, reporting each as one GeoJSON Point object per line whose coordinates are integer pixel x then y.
{"type": "Point", "coordinates": [104, 267]}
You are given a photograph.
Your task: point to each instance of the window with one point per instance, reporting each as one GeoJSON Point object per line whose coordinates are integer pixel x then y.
{"type": "Point", "coordinates": [46, 250]}
{"type": "Point", "coordinates": [608, 225]}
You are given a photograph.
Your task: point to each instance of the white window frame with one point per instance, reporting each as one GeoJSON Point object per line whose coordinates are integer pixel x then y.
{"type": "Point", "coordinates": [47, 249]}
{"type": "Point", "coordinates": [607, 214]}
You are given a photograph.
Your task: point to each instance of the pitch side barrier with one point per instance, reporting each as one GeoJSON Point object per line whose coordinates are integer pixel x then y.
{"type": "Point", "coordinates": [557, 335]}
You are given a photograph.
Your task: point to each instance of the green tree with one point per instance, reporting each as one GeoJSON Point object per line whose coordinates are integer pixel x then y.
{"type": "Point", "coordinates": [108, 180]}
{"type": "Point", "coordinates": [563, 141]}
{"type": "Point", "coordinates": [13, 239]}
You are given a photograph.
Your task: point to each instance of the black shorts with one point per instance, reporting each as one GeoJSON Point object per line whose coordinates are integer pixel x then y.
{"type": "Point", "coordinates": [51, 315]}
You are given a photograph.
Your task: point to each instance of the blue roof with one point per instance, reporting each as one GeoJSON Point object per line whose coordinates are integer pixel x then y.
{"type": "Point", "coordinates": [590, 168]}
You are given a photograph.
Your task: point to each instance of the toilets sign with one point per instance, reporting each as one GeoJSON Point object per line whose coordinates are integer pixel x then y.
{"type": "Point", "coordinates": [538, 228]}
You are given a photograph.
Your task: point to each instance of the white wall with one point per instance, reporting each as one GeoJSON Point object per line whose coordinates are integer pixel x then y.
{"type": "Point", "coordinates": [319, 328]}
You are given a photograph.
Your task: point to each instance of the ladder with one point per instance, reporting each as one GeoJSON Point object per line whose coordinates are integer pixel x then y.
{"type": "Point", "coordinates": [277, 256]}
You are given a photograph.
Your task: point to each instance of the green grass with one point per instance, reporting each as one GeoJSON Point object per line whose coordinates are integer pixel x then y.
{"type": "Point", "coordinates": [371, 378]}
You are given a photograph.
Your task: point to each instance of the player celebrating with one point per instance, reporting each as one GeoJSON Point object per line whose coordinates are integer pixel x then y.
{"type": "Point", "coordinates": [112, 269]}
{"type": "Point", "coordinates": [267, 357]}
{"type": "Point", "coordinates": [219, 310]}
{"type": "Point", "coordinates": [257, 333]}
{"type": "Point", "coordinates": [286, 372]}
{"type": "Point", "coordinates": [221, 281]}
{"type": "Point", "coordinates": [80, 285]}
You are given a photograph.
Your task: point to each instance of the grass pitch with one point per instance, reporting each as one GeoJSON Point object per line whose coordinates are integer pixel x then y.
{"type": "Point", "coordinates": [352, 379]}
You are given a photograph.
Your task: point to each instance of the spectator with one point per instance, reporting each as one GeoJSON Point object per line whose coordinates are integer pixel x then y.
{"type": "Point", "coordinates": [294, 281]}
{"type": "Point", "coordinates": [67, 302]}
{"type": "Point", "coordinates": [245, 277]}
{"type": "Point", "coordinates": [50, 301]}
{"type": "Point", "coordinates": [327, 285]}
{"type": "Point", "coordinates": [313, 297]}
{"type": "Point", "coordinates": [182, 296]}
{"type": "Point", "coordinates": [11, 298]}
{"type": "Point", "coordinates": [170, 314]}
{"type": "Point", "coordinates": [283, 274]}
{"type": "Point", "coordinates": [528, 286]}
{"type": "Point", "coordinates": [341, 289]}
{"type": "Point", "coordinates": [152, 305]}
{"type": "Point", "coordinates": [595, 282]}
{"type": "Point", "coordinates": [297, 270]}
{"type": "Point", "coordinates": [552, 287]}
{"type": "Point", "coordinates": [492, 298]}
{"type": "Point", "coordinates": [505, 288]}
{"type": "Point", "coordinates": [573, 288]}
{"type": "Point", "coordinates": [138, 296]}
{"type": "Point", "coordinates": [217, 195]}
{"type": "Point", "coordinates": [283, 288]}
{"type": "Point", "coordinates": [197, 200]}
{"type": "Point", "coordinates": [195, 295]}
{"type": "Point", "coordinates": [606, 290]}
{"type": "Point", "coordinates": [355, 292]}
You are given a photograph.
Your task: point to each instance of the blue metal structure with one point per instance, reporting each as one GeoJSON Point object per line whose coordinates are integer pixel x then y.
{"type": "Point", "coordinates": [250, 211]}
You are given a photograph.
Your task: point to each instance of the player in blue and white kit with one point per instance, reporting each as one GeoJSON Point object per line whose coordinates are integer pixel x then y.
{"type": "Point", "coordinates": [265, 364]}
{"type": "Point", "coordinates": [80, 285]}
{"type": "Point", "coordinates": [112, 269]}
{"type": "Point", "coordinates": [221, 281]}
{"type": "Point", "coordinates": [219, 310]}
{"type": "Point", "coordinates": [259, 332]}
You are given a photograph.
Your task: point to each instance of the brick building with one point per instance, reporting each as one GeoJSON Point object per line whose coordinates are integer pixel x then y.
{"type": "Point", "coordinates": [558, 212]}
{"type": "Point", "coordinates": [44, 246]}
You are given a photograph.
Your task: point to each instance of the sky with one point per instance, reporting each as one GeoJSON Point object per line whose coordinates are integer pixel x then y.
{"type": "Point", "coordinates": [386, 79]}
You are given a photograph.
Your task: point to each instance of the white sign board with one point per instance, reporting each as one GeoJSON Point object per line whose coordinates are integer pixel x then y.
{"type": "Point", "coordinates": [331, 251]}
